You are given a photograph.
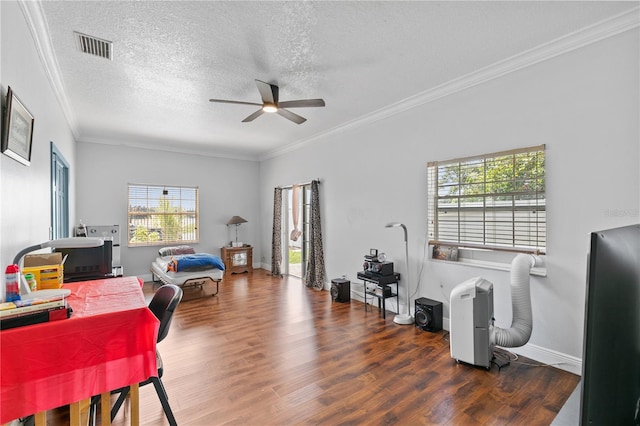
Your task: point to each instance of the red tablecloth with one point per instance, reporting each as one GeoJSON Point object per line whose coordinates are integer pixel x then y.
{"type": "Point", "coordinates": [109, 342]}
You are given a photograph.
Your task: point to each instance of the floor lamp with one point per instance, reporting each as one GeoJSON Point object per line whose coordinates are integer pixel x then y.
{"type": "Point", "coordinates": [403, 318]}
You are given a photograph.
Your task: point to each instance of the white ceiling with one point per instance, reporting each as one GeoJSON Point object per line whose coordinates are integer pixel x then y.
{"type": "Point", "coordinates": [170, 58]}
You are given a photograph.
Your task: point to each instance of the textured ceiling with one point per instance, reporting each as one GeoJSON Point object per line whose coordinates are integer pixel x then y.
{"type": "Point", "coordinates": [169, 58]}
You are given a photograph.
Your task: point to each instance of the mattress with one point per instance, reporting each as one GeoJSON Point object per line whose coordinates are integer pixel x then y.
{"type": "Point", "coordinates": [159, 269]}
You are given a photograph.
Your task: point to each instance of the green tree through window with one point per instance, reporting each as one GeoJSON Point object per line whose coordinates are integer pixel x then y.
{"type": "Point", "coordinates": [162, 215]}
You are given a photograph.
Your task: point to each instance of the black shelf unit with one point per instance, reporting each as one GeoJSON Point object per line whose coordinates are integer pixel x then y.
{"type": "Point", "coordinates": [383, 286]}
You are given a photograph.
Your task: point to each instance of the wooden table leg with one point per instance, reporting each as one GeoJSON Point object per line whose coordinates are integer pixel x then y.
{"type": "Point", "coordinates": [41, 418]}
{"type": "Point", "coordinates": [79, 412]}
{"type": "Point", "coordinates": [105, 408]}
{"type": "Point", "coordinates": [134, 392]}
{"type": "Point", "coordinates": [74, 414]}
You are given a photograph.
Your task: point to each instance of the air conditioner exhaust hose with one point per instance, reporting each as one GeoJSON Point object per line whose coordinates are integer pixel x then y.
{"type": "Point", "coordinates": [522, 323]}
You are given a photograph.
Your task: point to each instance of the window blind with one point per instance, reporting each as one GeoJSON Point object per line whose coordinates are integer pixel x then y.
{"type": "Point", "coordinates": [160, 215]}
{"type": "Point", "coordinates": [491, 201]}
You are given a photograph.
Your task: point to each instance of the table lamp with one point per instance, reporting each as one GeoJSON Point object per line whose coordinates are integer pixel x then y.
{"type": "Point", "coordinates": [236, 220]}
{"type": "Point", "coordinates": [403, 318]}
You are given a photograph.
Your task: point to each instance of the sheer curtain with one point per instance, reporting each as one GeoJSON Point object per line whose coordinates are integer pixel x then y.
{"type": "Point", "coordinates": [295, 213]}
{"type": "Point", "coordinates": [276, 239]}
{"type": "Point", "coordinates": [315, 275]}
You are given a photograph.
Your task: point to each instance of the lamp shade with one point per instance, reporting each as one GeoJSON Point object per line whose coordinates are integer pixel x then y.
{"type": "Point", "coordinates": [236, 220]}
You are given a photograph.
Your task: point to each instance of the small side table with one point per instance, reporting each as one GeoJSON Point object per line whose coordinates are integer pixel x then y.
{"type": "Point", "coordinates": [383, 290]}
{"type": "Point", "coordinates": [237, 259]}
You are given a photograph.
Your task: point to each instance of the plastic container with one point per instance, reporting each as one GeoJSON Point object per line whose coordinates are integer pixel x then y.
{"type": "Point", "coordinates": [12, 283]}
{"type": "Point", "coordinates": [31, 281]}
{"type": "Point", "coordinates": [47, 276]}
{"type": "Point", "coordinates": [46, 268]}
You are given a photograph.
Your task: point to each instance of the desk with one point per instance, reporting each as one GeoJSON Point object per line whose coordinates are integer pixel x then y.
{"type": "Point", "coordinates": [108, 343]}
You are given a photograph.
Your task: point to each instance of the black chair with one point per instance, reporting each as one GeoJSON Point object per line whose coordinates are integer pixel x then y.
{"type": "Point", "coordinates": [163, 304]}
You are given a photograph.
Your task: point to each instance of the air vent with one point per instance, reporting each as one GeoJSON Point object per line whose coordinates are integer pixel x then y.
{"type": "Point", "coordinates": [94, 46]}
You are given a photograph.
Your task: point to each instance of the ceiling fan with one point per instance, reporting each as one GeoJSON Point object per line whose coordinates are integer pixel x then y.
{"type": "Point", "coordinates": [270, 103]}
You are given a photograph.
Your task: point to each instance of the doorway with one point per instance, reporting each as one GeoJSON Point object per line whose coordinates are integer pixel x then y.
{"type": "Point", "coordinates": [297, 231]}
{"type": "Point", "coordinates": [59, 195]}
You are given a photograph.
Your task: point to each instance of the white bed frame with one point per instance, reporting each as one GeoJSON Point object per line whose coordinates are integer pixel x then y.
{"type": "Point", "coordinates": [187, 279]}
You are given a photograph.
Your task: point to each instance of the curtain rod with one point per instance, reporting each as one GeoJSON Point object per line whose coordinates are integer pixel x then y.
{"type": "Point", "coordinates": [300, 184]}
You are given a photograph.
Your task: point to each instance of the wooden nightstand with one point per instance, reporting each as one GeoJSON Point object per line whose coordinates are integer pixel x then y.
{"type": "Point", "coordinates": [237, 259]}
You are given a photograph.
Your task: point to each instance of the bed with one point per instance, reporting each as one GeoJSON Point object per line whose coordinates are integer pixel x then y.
{"type": "Point", "coordinates": [182, 266]}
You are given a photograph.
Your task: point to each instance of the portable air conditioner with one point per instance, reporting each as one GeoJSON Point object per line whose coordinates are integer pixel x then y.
{"type": "Point", "coordinates": [473, 334]}
{"type": "Point", "coordinates": [471, 317]}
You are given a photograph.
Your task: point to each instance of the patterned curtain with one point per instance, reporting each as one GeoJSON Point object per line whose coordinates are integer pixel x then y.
{"type": "Point", "coordinates": [315, 271]}
{"type": "Point", "coordinates": [276, 241]}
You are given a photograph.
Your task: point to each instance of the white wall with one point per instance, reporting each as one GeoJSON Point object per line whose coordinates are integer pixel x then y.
{"type": "Point", "coordinates": [583, 105]}
{"type": "Point", "coordinates": [227, 188]}
{"type": "Point", "coordinates": [24, 191]}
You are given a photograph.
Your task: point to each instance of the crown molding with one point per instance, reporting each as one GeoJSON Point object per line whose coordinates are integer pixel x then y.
{"type": "Point", "coordinates": [37, 24]}
{"type": "Point", "coordinates": [172, 149]}
{"type": "Point", "coordinates": [591, 34]}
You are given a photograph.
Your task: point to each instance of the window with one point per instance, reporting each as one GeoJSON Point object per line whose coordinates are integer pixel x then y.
{"type": "Point", "coordinates": [161, 215]}
{"type": "Point", "coordinates": [493, 201]}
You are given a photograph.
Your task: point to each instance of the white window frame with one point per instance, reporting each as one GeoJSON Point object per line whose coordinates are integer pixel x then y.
{"type": "Point", "coordinates": [471, 226]}
{"type": "Point", "coordinates": [149, 225]}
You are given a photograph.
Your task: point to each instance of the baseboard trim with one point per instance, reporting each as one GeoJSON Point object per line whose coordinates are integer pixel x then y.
{"type": "Point", "coordinates": [556, 359]}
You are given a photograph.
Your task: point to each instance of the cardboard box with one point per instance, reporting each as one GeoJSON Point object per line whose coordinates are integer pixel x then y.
{"type": "Point", "coordinates": [46, 268]}
{"type": "Point", "coordinates": [43, 259]}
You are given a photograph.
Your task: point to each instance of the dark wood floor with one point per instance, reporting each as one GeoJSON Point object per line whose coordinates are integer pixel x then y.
{"type": "Point", "coordinates": [269, 351]}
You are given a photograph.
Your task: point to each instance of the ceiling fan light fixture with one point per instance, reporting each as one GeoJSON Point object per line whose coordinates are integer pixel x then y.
{"type": "Point", "coordinates": [271, 103]}
{"type": "Point", "coordinates": [269, 108]}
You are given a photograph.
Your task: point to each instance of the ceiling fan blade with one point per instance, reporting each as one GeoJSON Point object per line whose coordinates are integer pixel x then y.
{"type": "Point", "coordinates": [253, 116]}
{"type": "Point", "coordinates": [291, 116]}
{"type": "Point", "coordinates": [268, 92]}
{"type": "Point", "coordinates": [302, 103]}
{"type": "Point", "coordinates": [222, 101]}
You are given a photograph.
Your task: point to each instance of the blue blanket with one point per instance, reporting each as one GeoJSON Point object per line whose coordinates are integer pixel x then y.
{"type": "Point", "coordinates": [195, 262]}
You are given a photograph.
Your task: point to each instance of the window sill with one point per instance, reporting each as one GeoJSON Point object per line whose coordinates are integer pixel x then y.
{"type": "Point", "coordinates": [498, 265]}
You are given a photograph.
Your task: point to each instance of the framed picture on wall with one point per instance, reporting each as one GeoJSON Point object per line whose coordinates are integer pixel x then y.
{"type": "Point", "coordinates": [17, 133]}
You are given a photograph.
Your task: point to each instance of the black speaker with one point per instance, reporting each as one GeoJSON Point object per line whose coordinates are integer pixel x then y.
{"type": "Point", "coordinates": [428, 314]}
{"type": "Point", "coordinates": [341, 290]}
